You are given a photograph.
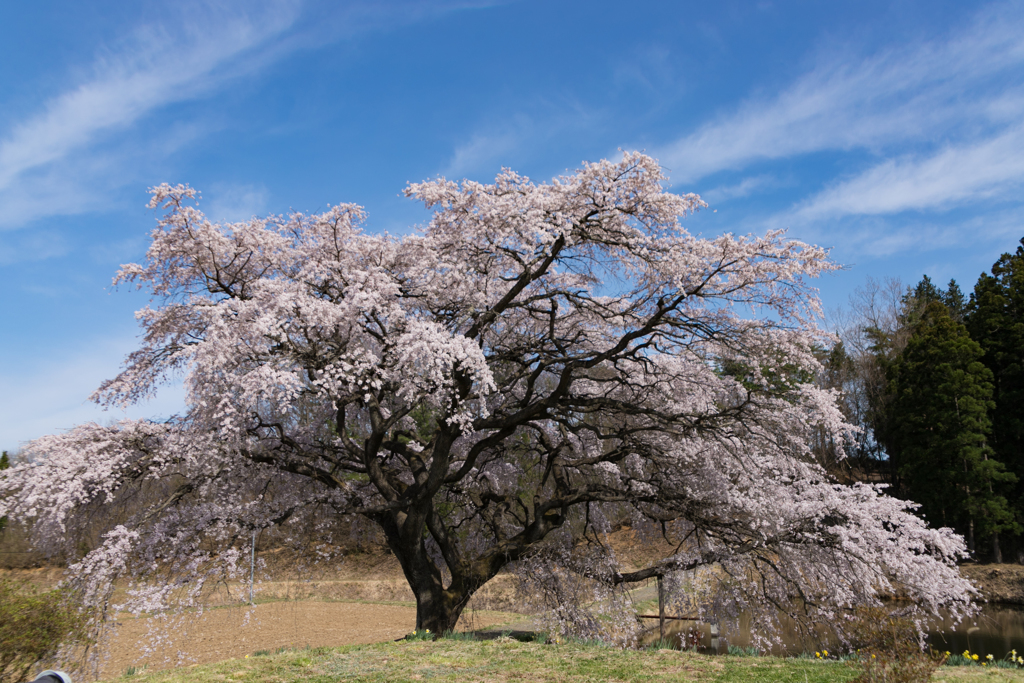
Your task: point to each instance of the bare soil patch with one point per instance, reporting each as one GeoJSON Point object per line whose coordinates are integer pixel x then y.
{"type": "Point", "coordinates": [998, 582]}
{"type": "Point", "coordinates": [43, 578]}
{"type": "Point", "coordinates": [362, 599]}
{"type": "Point", "coordinates": [234, 632]}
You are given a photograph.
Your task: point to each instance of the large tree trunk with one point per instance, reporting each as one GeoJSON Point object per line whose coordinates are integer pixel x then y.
{"type": "Point", "coordinates": [439, 612]}
{"type": "Point", "coordinates": [997, 552]}
{"type": "Point", "coordinates": [437, 608]}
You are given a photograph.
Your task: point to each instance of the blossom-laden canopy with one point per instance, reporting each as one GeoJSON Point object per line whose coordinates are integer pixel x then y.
{"type": "Point", "coordinates": [538, 357]}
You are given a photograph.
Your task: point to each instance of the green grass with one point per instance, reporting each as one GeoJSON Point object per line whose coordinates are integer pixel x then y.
{"type": "Point", "coordinates": [507, 660]}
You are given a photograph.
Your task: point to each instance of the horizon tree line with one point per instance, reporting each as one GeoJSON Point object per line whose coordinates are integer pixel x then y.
{"type": "Point", "coordinates": [935, 379]}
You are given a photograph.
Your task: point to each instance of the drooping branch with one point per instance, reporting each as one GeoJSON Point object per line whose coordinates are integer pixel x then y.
{"type": "Point", "coordinates": [537, 356]}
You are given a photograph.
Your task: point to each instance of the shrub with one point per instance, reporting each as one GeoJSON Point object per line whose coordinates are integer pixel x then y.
{"type": "Point", "coordinates": [37, 626]}
{"type": "Point", "coordinates": [889, 648]}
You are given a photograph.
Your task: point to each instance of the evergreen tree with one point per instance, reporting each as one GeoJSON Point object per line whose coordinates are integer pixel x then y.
{"type": "Point", "coordinates": [996, 321]}
{"type": "Point", "coordinates": [886, 344]}
{"type": "Point", "coordinates": [955, 302]}
{"type": "Point", "coordinates": [938, 428]}
{"type": "Point", "coordinates": [925, 293]}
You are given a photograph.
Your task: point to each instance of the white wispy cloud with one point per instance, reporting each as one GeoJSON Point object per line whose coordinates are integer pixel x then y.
{"type": "Point", "coordinates": [47, 397]}
{"type": "Point", "coordinates": [154, 68]}
{"type": "Point", "coordinates": [31, 247]}
{"type": "Point", "coordinates": [955, 175]}
{"type": "Point", "coordinates": [744, 188]}
{"type": "Point", "coordinates": [511, 139]}
{"type": "Point", "coordinates": [69, 156]}
{"type": "Point", "coordinates": [86, 180]}
{"type": "Point", "coordinates": [915, 93]}
{"type": "Point", "coordinates": [959, 235]}
{"type": "Point", "coordinates": [234, 202]}
{"type": "Point", "coordinates": [484, 150]}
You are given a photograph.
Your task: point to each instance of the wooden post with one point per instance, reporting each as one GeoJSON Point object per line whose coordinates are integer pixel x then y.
{"type": "Point", "coordinates": [252, 566]}
{"type": "Point", "coordinates": [661, 606]}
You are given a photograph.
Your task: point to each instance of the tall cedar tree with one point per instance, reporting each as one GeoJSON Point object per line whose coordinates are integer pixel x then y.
{"type": "Point", "coordinates": [996, 321]}
{"type": "Point", "coordinates": [942, 395]}
{"type": "Point", "coordinates": [955, 303]}
{"type": "Point", "coordinates": [886, 344]}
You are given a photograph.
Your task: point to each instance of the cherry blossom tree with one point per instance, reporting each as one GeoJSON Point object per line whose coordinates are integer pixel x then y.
{"type": "Point", "coordinates": [537, 356]}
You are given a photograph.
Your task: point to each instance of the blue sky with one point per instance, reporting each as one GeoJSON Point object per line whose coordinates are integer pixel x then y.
{"type": "Point", "coordinates": [892, 132]}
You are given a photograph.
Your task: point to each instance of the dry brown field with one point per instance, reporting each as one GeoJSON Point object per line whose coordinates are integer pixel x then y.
{"type": "Point", "coordinates": [363, 599]}
{"type": "Point", "coordinates": [236, 632]}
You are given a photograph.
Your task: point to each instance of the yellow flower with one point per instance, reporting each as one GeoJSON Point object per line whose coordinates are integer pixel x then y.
{"type": "Point", "coordinates": [1020, 660]}
{"type": "Point", "coordinates": [989, 657]}
{"type": "Point", "coordinates": [947, 653]}
{"type": "Point", "coordinates": [967, 653]}
{"type": "Point", "coordinates": [428, 630]}
{"type": "Point", "coordinates": [826, 653]}
{"type": "Point", "coordinates": [818, 655]}
{"type": "Point", "coordinates": [872, 656]}
{"type": "Point", "coordinates": [974, 657]}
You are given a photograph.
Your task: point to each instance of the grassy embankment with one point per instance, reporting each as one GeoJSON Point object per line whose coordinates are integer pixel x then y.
{"type": "Point", "coordinates": [506, 659]}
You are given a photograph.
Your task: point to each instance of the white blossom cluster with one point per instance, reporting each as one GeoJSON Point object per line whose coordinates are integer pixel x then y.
{"type": "Point", "coordinates": [538, 363]}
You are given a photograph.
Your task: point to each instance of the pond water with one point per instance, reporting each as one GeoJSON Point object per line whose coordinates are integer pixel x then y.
{"type": "Point", "coordinates": [996, 630]}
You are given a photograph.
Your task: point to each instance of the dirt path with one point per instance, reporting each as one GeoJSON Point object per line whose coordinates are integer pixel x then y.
{"type": "Point", "coordinates": [234, 632]}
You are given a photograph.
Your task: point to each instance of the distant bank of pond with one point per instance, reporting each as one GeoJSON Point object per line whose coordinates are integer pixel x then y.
{"type": "Point", "coordinates": [995, 631]}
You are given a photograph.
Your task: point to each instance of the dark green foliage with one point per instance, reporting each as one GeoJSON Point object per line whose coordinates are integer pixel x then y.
{"type": "Point", "coordinates": [942, 432]}
{"type": "Point", "coordinates": [955, 302]}
{"type": "Point", "coordinates": [421, 634]}
{"type": "Point", "coordinates": [774, 382]}
{"type": "Point", "coordinates": [884, 349]}
{"type": "Point", "coordinates": [35, 625]}
{"type": "Point", "coordinates": [926, 292]}
{"type": "Point", "coordinates": [939, 425]}
{"type": "Point", "coordinates": [459, 635]}
{"type": "Point", "coordinates": [995, 319]}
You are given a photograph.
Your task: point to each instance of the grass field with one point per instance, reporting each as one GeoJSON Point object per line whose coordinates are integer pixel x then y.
{"type": "Point", "coordinates": [505, 659]}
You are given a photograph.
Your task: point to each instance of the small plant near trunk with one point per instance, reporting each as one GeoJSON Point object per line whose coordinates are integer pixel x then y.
{"type": "Point", "coordinates": [421, 634]}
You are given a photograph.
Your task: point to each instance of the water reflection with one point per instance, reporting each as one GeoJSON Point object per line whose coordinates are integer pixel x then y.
{"type": "Point", "coordinates": [683, 634]}
{"type": "Point", "coordinates": [996, 630]}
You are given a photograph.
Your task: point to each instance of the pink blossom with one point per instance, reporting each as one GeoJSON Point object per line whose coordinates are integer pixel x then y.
{"type": "Point", "coordinates": [537, 363]}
